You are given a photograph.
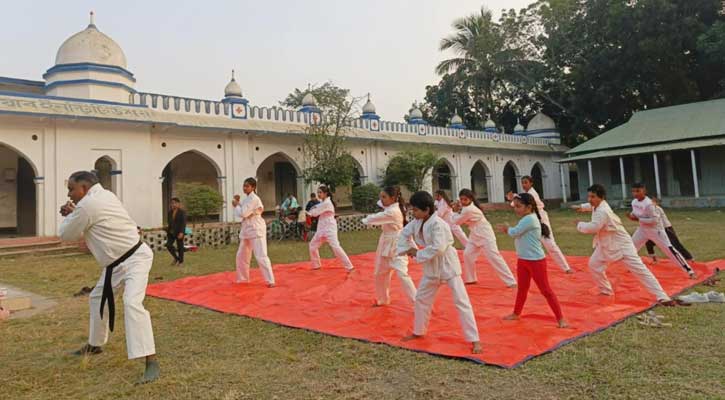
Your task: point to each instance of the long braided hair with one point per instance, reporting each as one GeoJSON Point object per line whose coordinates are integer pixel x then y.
{"type": "Point", "coordinates": [528, 200]}
{"type": "Point", "coordinates": [468, 193]}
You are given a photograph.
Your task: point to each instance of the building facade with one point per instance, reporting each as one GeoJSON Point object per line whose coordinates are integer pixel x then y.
{"type": "Point", "coordinates": [86, 114]}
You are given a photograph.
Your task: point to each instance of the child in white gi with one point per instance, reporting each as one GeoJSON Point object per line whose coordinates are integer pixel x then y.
{"type": "Point", "coordinates": [671, 234]}
{"type": "Point", "coordinates": [612, 243]}
{"type": "Point", "coordinates": [252, 235]}
{"type": "Point", "coordinates": [440, 267]}
{"type": "Point", "coordinates": [527, 183]}
{"type": "Point", "coordinates": [392, 221]}
{"type": "Point", "coordinates": [481, 239]}
{"type": "Point", "coordinates": [651, 228]}
{"type": "Point", "coordinates": [444, 211]}
{"type": "Point", "coordinates": [326, 230]}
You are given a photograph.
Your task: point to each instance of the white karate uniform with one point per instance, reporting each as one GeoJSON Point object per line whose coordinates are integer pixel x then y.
{"type": "Point", "coordinates": [612, 243]}
{"type": "Point", "coordinates": [549, 243]}
{"type": "Point", "coordinates": [445, 212]}
{"type": "Point", "coordinates": [109, 232]}
{"type": "Point", "coordinates": [252, 239]}
{"type": "Point", "coordinates": [386, 258]}
{"type": "Point", "coordinates": [481, 239]}
{"type": "Point", "coordinates": [652, 228]}
{"type": "Point", "coordinates": [440, 266]}
{"type": "Point", "coordinates": [326, 232]}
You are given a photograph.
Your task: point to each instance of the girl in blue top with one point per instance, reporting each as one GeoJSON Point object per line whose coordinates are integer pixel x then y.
{"type": "Point", "coordinates": [531, 262]}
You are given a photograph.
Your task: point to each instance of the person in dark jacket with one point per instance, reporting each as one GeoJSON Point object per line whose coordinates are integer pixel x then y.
{"type": "Point", "coordinates": [175, 231]}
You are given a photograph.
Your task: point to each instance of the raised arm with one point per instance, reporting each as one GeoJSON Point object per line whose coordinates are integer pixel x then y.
{"type": "Point", "coordinates": [599, 220]}
{"type": "Point", "coordinates": [465, 216]}
{"type": "Point", "coordinates": [250, 208]}
{"type": "Point", "coordinates": [322, 208]}
{"type": "Point", "coordinates": [381, 218]}
{"type": "Point", "coordinates": [74, 224]}
{"type": "Point", "coordinates": [524, 225]}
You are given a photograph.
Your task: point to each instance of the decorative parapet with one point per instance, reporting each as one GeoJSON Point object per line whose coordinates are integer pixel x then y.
{"type": "Point", "coordinates": [221, 109]}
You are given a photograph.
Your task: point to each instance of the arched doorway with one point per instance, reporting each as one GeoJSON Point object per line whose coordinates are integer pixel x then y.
{"type": "Point", "coordinates": [537, 174]}
{"type": "Point", "coordinates": [510, 182]}
{"type": "Point", "coordinates": [104, 169]}
{"type": "Point", "coordinates": [343, 194]}
{"type": "Point", "coordinates": [443, 177]}
{"type": "Point", "coordinates": [573, 181]}
{"type": "Point", "coordinates": [276, 179]}
{"type": "Point", "coordinates": [190, 167]}
{"type": "Point", "coordinates": [479, 181]}
{"type": "Point", "coordinates": [18, 214]}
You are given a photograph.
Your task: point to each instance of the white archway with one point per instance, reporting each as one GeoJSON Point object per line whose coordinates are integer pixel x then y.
{"type": "Point", "coordinates": [481, 181]}
{"type": "Point", "coordinates": [510, 178]}
{"type": "Point", "coordinates": [277, 176]}
{"type": "Point", "coordinates": [190, 167]}
{"type": "Point", "coordinates": [18, 194]}
{"type": "Point", "coordinates": [444, 177]}
{"type": "Point", "coordinates": [537, 175]}
{"type": "Point", "coordinates": [106, 170]}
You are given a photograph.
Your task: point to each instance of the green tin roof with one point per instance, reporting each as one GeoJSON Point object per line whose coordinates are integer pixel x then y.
{"type": "Point", "coordinates": [676, 124]}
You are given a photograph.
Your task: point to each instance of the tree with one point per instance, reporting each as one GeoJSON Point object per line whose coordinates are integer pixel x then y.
{"type": "Point", "coordinates": [365, 197]}
{"type": "Point", "coordinates": [200, 200]}
{"type": "Point", "coordinates": [410, 167]}
{"type": "Point", "coordinates": [326, 159]}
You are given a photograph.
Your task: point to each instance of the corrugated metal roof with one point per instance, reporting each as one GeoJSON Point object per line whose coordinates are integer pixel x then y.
{"type": "Point", "coordinates": [688, 144]}
{"type": "Point", "coordinates": [668, 124]}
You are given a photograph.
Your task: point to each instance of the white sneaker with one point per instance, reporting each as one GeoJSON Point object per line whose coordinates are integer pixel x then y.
{"type": "Point", "coordinates": [715, 297]}
{"type": "Point", "coordinates": [695, 297]}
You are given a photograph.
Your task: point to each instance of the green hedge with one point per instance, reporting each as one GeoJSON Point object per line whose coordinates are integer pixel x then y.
{"type": "Point", "coordinates": [365, 197]}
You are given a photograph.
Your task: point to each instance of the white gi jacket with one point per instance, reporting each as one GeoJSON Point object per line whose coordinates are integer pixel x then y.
{"type": "Point", "coordinates": [480, 230]}
{"type": "Point", "coordinates": [437, 254]}
{"type": "Point", "coordinates": [609, 233]}
{"type": "Point", "coordinates": [443, 210]}
{"type": "Point", "coordinates": [325, 211]}
{"type": "Point", "coordinates": [250, 211]}
{"type": "Point", "coordinates": [391, 220]}
{"type": "Point", "coordinates": [646, 211]}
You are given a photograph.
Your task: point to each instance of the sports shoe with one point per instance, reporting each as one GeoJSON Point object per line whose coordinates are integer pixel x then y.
{"type": "Point", "coordinates": [694, 297]}
{"type": "Point", "coordinates": [715, 297]}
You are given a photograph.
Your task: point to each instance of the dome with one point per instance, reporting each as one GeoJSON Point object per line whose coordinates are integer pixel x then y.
{"type": "Point", "coordinates": [369, 107]}
{"type": "Point", "coordinates": [309, 100]}
{"type": "Point", "coordinates": [541, 121]}
{"type": "Point", "coordinates": [91, 46]}
{"type": "Point", "coordinates": [490, 124]}
{"type": "Point", "coordinates": [416, 113]}
{"type": "Point", "coordinates": [519, 128]}
{"type": "Point", "coordinates": [233, 88]}
{"type": "Point", "coordinates": [456, 120]}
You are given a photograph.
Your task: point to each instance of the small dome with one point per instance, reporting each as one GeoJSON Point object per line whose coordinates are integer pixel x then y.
{"type": "Point", "coordinates": [456, 120]}
{"type": "Point", "coordinates": [490, 124]}
{"type": "Point", "coordinates": [519, 128]}
{"type": "Point", "coordinates": [369, 107]}
{"type": "Point", "coordinates": [416, 113]}
{"type": "Point", "coordinates": [232, 88]}
{"type": "Point", "coordinates": [309, 100]}
{"type": "Point", "coordinates": [91, 46]}
{"type": "Point", "coordinates": [541, 121]}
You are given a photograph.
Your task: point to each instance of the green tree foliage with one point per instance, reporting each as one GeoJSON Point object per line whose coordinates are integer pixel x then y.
{"type": "Point", "coordinates": [589, 64]}
{"type": "Point", "coordinates": [409, 168]}
{"type": "Point", "coordinates": [365, 197]}
{"type": "Point", "coordinates": [199, 200]}
{"type": "Point", "coordinates": [327, 160]}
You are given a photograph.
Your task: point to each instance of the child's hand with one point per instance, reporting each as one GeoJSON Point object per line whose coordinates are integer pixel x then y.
{"type": "Point", "coordinates": [503, 228]}
{"type": "Point", "coordinates": [632, 217]}
{"type": "Point", "coordinates": [510, 196]}
{"type": "Point", "coordinates": [412, 252]}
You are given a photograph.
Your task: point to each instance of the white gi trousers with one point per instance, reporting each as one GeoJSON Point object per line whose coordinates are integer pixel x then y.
{"type": "Point", "coordinates": [488, 246]}
{"type": "Point", "coordinates": [550, 244]}
{"type": "Point", "coordinates": [598, 265]}
{"type": "Point", "coordinates": [457, 231]}
{"type": "Point", "coordinates": [659, 237]}
{"type": "Point", "coordinates": [425, 297]}
{"type": "Point", "coordinates": [133, 275]}
{"type": "Point", "coordinates": [385, 263]}
{"type": "Point", "coordinates": [330, 237]}
{"type": "Point", "coordinates": [258, 246]}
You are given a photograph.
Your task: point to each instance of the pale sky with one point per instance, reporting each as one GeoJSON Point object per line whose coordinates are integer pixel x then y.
{"type": "Point", "coordinates": [188, 48]}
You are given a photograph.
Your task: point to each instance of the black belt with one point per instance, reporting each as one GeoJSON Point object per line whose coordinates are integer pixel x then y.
{"type": "Point", "coordinates": [108, 286]}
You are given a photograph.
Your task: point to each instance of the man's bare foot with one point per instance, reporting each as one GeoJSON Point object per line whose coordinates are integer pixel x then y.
{"type": "Point", "coordinates": [152, 372]}
{"type": "Point", "coordinates": [471, 283]}
{"type": "Point", "coordinates": [563, 323]}
{"type": "Point", "coordinates": [351, 270]}
{"type": "Point", "coordinates": [511, 317]}
{"type": "Point", "coordinates": [569, 271]}
{"type": "Point", "coordinates": [514, 286]}
{"type": "Point", "coordinates": [270, 285]}
{"type": "Point", "coordinates": [476, 348]}
{"type": "Point", "coordinates": [410, 337]}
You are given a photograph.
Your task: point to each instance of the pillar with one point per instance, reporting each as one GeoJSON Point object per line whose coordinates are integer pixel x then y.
{"type": "Point", "coordinates": [40, 226]}
{"type": "Point", "coordinates": [591, 178]}
{"type": "Point", "coordinates": [694, 174]}
{"type": "Point", "coordinates": [621, 177]}
{"type": "Point", "coordinates": [657, 175]}
{"type": "Point", "coordinates": [563, 183]}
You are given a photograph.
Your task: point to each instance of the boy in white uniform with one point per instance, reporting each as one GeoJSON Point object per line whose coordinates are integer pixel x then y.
{"type": "Point", "coordinates": [651, 228]}
{"type": "Point", "coordinates": [612, 243]}
{"type": "Point", "coordinates": [441, 266]}
{"type": "Point", "coordinates": [527, 183]}
{"type": "Point", "coordinates": [252, 235]}
{"type": "Point", "coordinates": [112, 237]}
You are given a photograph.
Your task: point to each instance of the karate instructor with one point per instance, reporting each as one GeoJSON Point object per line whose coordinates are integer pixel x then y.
{"type": "Point", "coordinates": [99, 217]}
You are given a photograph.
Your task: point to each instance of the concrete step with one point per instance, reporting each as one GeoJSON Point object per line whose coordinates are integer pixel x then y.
{"type": "Point", "coordinates": [8, 245]}
{"type": "Point", "coordinates": [51, 250]}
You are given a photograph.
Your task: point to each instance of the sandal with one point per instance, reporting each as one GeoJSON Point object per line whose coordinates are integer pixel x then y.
{"type": "Point", "coordinates": [85, 291]}
{"type": "Point", "coordinates": [88, 350]}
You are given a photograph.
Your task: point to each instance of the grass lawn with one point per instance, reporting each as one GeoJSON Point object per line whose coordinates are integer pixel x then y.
{"type": "Point", "coordinates": [208, 355]}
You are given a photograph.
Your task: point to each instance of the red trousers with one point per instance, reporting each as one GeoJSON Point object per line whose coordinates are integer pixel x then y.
{"type": "Point", "coordinates": [526, 270]}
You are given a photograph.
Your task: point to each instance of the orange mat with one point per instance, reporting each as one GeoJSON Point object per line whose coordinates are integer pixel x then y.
{"type": "Point", "coordinates": [329, 301]}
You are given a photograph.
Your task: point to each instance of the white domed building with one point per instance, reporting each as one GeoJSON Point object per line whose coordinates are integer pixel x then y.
{"type": "Point", "coordinates": [87, 114]}
{"type": "Point", "coordinates": [542, 126]}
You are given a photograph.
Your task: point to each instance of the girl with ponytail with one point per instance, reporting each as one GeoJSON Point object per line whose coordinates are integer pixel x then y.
{"type": "Point", "coordinates": [444, 211]}
{"type": "Point", "coordinates": [531, 262]}
{"type": "Point", "coordinates": [481, 239]}
{"type": "Point", "coordinates": [392, 220]}
{"type": "Point", "coordinates": [326, 230]}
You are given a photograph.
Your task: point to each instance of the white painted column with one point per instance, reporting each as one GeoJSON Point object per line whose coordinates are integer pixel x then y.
{"type": "Point", "coordinates": [621, 177]}
{"type": "Point", "coordinates": [563, 183]}
{"type": "Point", "coordinates": [40, 227]}
{"type": "Point", "coordinates": [657, 175]}
{"type": "Point", "coordinates": [223, 190]}
{"type": "Point", "coordinates": [694, 173]}
{"type": "Point", "coordinates": [591, 178]}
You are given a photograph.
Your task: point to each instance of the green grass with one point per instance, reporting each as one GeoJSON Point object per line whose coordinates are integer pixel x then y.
{"type": "Point", "coordinates": [208, 355]}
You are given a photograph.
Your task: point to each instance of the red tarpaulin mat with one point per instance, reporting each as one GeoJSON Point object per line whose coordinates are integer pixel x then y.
{"type": "Point", "coordinates": [329, 301]}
